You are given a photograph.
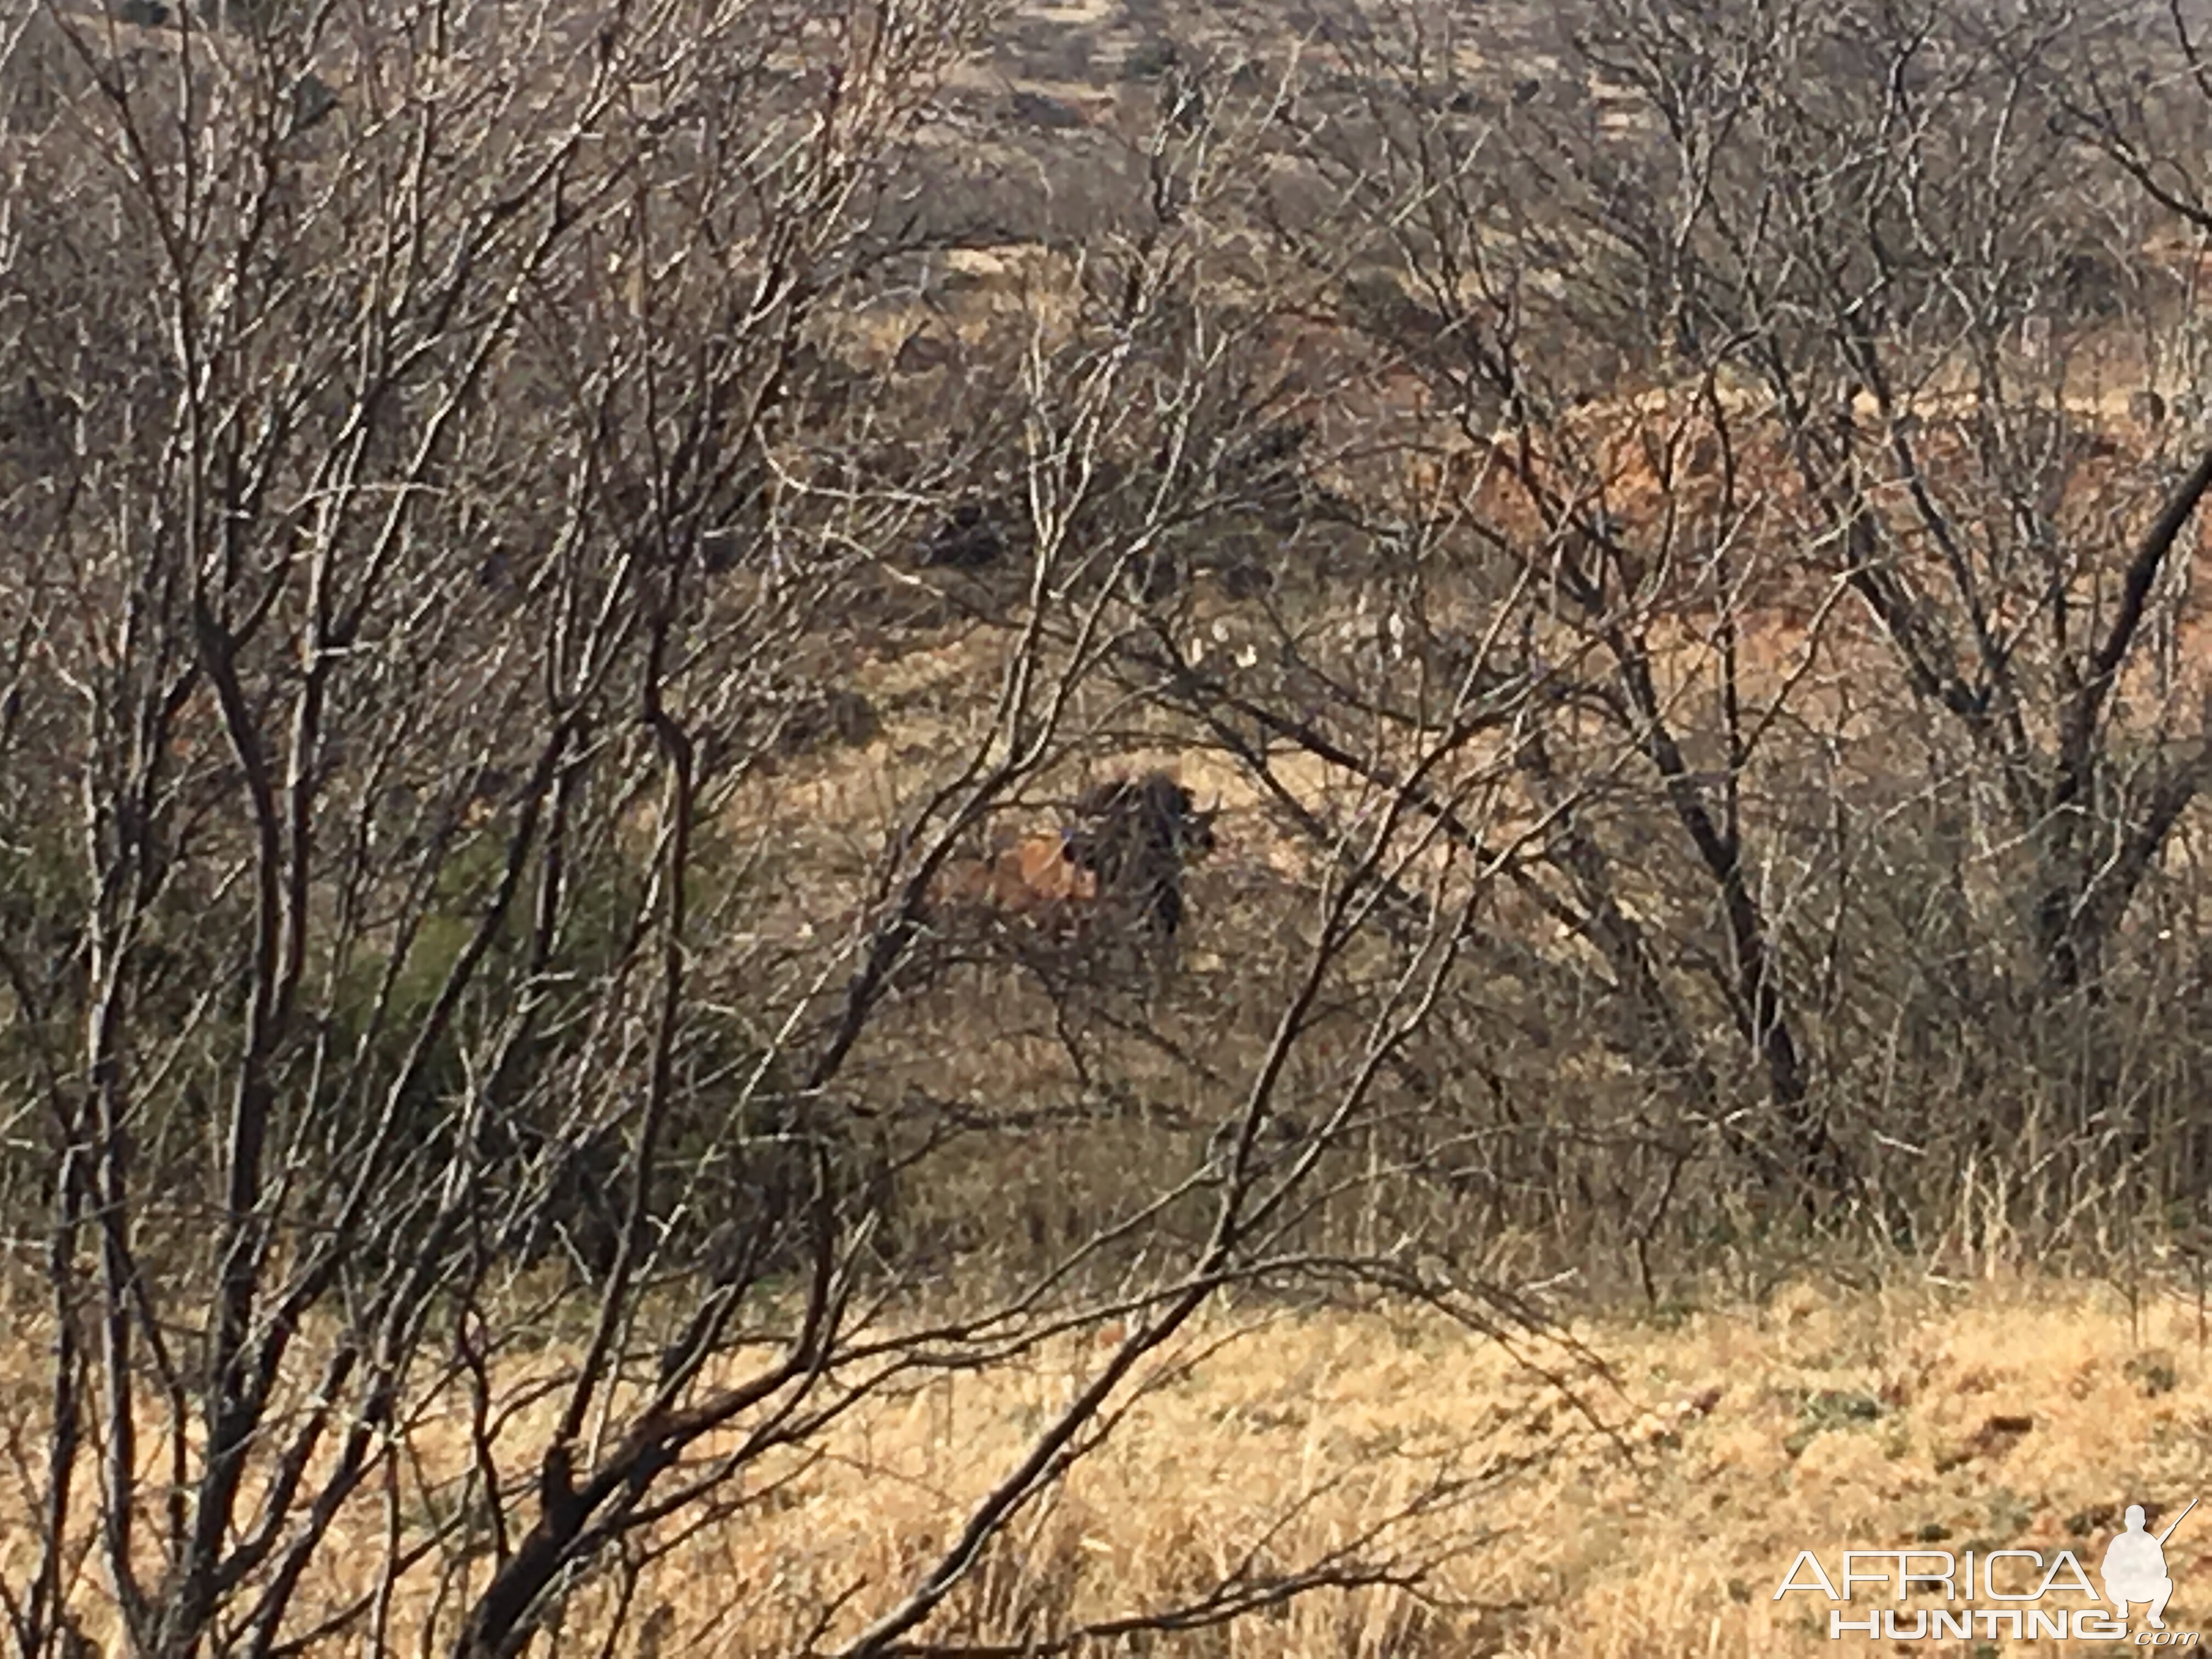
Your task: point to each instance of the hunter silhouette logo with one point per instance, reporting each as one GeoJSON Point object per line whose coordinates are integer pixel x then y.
{"type": "Point", "coordinates": [2135, 1566]}
{"type": "Point", "coordinates": [2025, 1596]}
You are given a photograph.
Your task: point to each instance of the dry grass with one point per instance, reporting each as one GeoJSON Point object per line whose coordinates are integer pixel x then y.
{"type": "Point", "coordinates": [1864, 1423]}
{"type": "Point", "coordinates": [1666, 1539]}
{"type": "Point", "coordinates": [1731, 1440]}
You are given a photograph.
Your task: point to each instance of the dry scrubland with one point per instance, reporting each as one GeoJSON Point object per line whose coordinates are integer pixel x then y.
{"type": "Point", "coordinates": [1730, 1440]}
{"type": "Point", "coordinates": [527, 1136]}
{"type": "Point", "coordinates": [1648, 1508]}
{"type": "Point", "coordinates": [1662, 1506]}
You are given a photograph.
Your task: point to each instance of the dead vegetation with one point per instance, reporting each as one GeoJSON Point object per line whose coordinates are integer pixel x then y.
{"type": "Point", "coordinates": [1542, 1508]}
{"type": "Point", "coordinates": [630, 1020]}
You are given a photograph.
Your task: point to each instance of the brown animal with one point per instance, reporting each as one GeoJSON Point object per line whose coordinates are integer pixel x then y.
{"type": "Point", "coordinates": [1119, 864]}
{"type": "Point", "coordinates": [1136, 837]}
{"type": "Point", "coordinates": [1035, 877]}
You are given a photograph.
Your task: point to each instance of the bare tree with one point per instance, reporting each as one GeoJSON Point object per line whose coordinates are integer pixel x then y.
{"type": "Point", "coordinates": [441, 492]}
{"type": "Point", "coordinates": [1786, 355]}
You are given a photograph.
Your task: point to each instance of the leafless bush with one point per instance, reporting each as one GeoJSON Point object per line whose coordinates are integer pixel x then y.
{"type": "Point", "coordinates": [603, 715]}
{"type": "Point", "coordinates": [431, 993]}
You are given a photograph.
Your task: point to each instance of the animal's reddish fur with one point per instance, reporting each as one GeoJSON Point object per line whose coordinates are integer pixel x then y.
{"type": "Point", "coordinates": [1031, 875]}
{"type": "Point", "coordinates": [1117, 866]}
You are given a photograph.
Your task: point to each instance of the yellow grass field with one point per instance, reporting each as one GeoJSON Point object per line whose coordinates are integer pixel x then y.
{"type": "Point", "coordinates": [1736, 1439]}
{"type": "Point", "coordinates": [1650, 1510]}
{"type": "Point", "coordinates": [1741, 1437]}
